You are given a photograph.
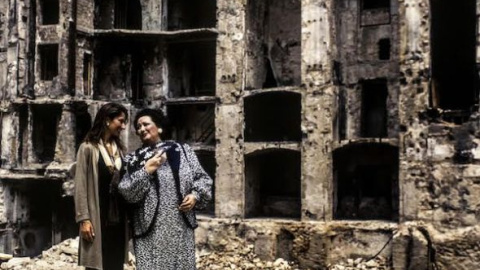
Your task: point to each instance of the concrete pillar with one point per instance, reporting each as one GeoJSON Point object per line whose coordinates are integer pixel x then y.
{"type": "Point", "coordinates": [229, 186]}
{"type": "Point", "coordinates": [65, 147]}
{"type": "Point", "coordinates": [318, 109]}
{"type": "Point", "coordinates": [9, 134]}
{"type": "Point", "coordinates": [414, 60]}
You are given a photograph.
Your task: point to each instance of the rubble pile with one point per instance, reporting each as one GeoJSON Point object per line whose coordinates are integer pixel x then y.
{"type": "Point", "coordinates": [377, 263]}
{"type": "Point", "coordinates": [235, 254]}
{"type": "Point", "coordinates": [232, 254]}
{"type": "Point", "coordinates": [59, 257]}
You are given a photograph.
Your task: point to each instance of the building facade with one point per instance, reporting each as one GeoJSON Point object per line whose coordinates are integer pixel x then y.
{"type": "Point", "coordinates": [332, 129]}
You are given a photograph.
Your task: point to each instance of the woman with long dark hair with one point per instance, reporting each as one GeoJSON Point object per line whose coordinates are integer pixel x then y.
{"type": "Point", "coordinates": [98, 206]}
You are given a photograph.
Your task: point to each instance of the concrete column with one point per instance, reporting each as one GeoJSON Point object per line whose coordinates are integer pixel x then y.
{"type": "Point", "coordinates": [65, 147]}
{"type": "Point", "coordinates": [153, 15]}
{"type": "Point", "coordinates": [414, 60]}
{"type": "Point", "coordinates": [318, 109]}
{"type": "Point", "coordinates": [10, 140]}
{"type": "Point", "coordinates": [230, 187]}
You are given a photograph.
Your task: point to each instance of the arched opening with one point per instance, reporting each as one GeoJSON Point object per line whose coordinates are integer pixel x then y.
{"type": "Point", "coordinates": [366, 182]}
{"type": "Point", "coordinates": [272, 184]}
{"type": "Point", "coordinates": [274, 116]}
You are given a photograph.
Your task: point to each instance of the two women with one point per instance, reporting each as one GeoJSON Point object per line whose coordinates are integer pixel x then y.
{"type": "Point", "coordinates": [162, 185]}
{"type": "Point", "coordinates": [164, 181]}
{"type": "Point", "coordinates": [98, 206]}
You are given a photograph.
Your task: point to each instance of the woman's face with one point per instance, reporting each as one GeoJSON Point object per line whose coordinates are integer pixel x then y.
{"type": "Point", "coordinates": [147, 130]}
{"type": "Point", "coordinates": [116, 125]}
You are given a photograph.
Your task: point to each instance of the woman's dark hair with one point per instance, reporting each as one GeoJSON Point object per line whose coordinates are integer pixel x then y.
{"type": "Point", "coordinates": [106, 113]}
{"type": "Point", "coordinates": [157, 117]}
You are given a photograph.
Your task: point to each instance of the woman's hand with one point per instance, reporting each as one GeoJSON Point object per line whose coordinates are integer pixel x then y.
{"type": "Point", "coordinates": [154, 163]}
{"type": "Point", "coordinates": [86, 230]}
{"type": "Point", "coordinates": [188, 203]}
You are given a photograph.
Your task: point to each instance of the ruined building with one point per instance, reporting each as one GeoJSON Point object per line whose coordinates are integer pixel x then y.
{"type": "Point", "coordinates": [333, 129]}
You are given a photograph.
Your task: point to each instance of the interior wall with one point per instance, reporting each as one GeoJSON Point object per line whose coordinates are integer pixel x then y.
{"type": "Point", "coordinates": [273, 43]}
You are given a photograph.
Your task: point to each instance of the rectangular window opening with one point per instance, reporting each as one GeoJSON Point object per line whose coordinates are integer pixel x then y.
{"type": "Point", "coordinates": [128, 14]}
{"type": "Point", "coordinates": [454, 83]}
{"type": "Point", "coordinates": [48, 61]}
{"type": "Point", "coordinates": [384, 49]}
{"type": "Point", "coordinates": [375, 4]}
{"type": "Point", "coordinates": [193, 123]}
{"type": "Point", "coordinates": [44, 133]}
{"type": "Point", "coordinates": [50, 12]}
{"type": "Point", "coordinates": [22, 133]}
{"type": "Point", "coordinates": [274, 44]}
{"type": "Point", "coordinates": [374, 108]}
{"type": "Point", "coordinates": [186, 14]}
{"type": "Point", "coordinates": [137, 77]}
{"type": "Point", "coordinates": [192, 69]}
{"type": "Point", "coordinates": [87, 74]}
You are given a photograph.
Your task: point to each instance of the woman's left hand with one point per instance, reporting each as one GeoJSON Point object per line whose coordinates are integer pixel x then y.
{"type": "Point", "coordinates": [188, 203]}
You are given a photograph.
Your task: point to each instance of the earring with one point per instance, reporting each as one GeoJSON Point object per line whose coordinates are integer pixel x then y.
{"type": "Point", "coordinates": [160, 130]}
{"type": "Point", "coordinates": [108, 124]}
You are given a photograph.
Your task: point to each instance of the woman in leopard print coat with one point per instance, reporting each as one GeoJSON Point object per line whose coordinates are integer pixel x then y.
{"type": "Point", "coordinates": [164, 183]}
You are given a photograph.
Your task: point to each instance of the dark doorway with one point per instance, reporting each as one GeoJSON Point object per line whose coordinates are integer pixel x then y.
{"type": "Point", "coordinates": [366, 182]}
{"type": "Point", "coordinates": [272, 184]}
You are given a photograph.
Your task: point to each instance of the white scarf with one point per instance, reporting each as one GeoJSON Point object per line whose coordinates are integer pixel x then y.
{"type": "Point", "coordinates": [109, 159]}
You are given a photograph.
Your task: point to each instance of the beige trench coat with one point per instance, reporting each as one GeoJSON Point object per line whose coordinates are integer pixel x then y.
{"type": "Point", "coordinates": [87, 205]}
